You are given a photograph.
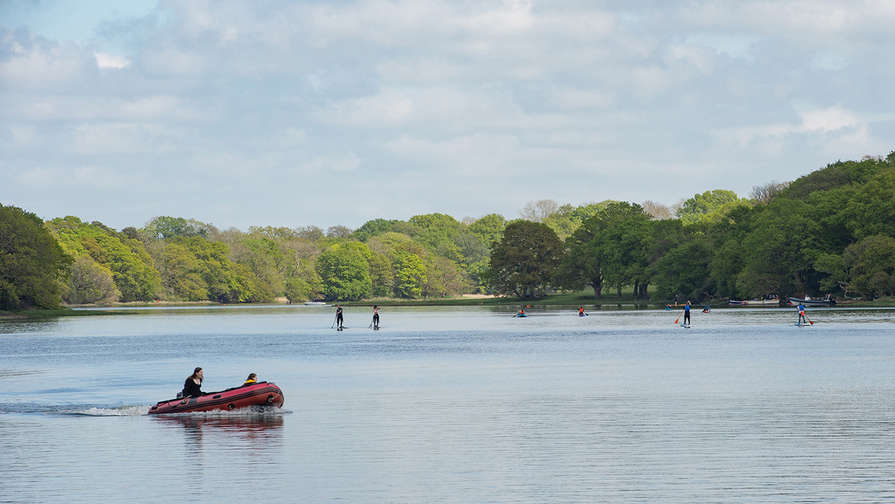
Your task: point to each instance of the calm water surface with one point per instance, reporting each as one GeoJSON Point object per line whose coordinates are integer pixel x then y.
{"type": "Point", "coordinates": [454, 405]}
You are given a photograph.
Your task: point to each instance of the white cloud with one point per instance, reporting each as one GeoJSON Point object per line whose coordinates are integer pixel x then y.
{"type": "Point", "coordinates": [591, 102]}
{"type": "Point", "coordinates": [106, 60]}
{"type": "Point", "coordinates": [36, 65]}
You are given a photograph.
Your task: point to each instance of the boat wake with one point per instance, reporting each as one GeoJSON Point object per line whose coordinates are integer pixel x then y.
{"type": "Point", "coordinates": [119, 411]}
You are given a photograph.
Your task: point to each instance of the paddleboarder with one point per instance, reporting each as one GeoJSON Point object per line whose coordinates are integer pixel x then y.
{"type": "Point", "coordinates": [580, 311]}
{"type": "Point", "coordinates": [687, 313]}
{"type": "Point", "coordinates": [802, 317]}
{"type": "Point", "coordinates": [339, 319]}
{"type": "Point", "coordinates": [376, 317]}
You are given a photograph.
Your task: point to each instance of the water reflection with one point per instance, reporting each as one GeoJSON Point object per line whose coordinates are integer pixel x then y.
{"type": "Point", "coordinates": [249, 423]}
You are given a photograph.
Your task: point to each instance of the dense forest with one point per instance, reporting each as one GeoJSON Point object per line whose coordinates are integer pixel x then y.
{"type": "Point", "coordinates": [831, 231]}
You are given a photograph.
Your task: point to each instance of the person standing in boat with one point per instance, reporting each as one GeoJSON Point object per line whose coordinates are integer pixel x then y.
{"type": "Point", "coordinates": [687, 313]}
{"type": "Point", "coordinates": [376, 317]}
{"type": "Point", "coordinates": [339, 319]}
{"type": "Point", "coordinates": [802, 318]}
{"type": "Point", "coordinates": [192, 387]}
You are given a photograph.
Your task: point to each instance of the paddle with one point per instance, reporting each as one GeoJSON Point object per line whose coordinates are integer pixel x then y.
{"type": "Point", "coordinates": [678, 317]}
{"type": "Point", "coordinates": [334, 321]}
{"type": "Point", "coordinates": [809, 320]}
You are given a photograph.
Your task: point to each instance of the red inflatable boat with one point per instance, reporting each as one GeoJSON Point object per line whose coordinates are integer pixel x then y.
{"type": "Point", "coordinates": [257, 394]}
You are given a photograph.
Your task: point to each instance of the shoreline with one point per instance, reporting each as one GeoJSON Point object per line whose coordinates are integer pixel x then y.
{"type": "Point", "coordinates": [554, 300]}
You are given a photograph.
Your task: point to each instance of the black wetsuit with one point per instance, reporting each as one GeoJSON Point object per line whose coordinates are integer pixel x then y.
{"type": "Point", "coordinates": [339, 319]}
{"type": "Point", "coordinates": [191, 388]}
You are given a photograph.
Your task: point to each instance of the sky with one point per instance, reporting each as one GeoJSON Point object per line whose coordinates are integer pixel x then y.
{"type": "Point", "coordinates": [299, 113]}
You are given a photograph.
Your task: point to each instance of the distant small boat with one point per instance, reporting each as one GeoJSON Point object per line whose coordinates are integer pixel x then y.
{"type": "Point", "coordinates": [754, 302]}
{"type": "Point", "coordinates": [762, 302]}
{"type": "Point", "coordinates": [315, 303]}
{"type": "Point", "coordinates": [812, 302]}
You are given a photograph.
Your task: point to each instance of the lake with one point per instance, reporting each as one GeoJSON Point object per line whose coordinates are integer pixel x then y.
{"type": "Point", "coordinates": [454, 405]}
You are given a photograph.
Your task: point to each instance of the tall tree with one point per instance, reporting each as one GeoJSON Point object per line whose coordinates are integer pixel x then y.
{"type": "Point", "coordinates": [90, 283]}
{"type": "Point", "coordinates": [524, 262]}
{"type": "Point", "coordinates": [31, 262]}
{"type": "Point", "coordinates": [127, 258]}
{"type": "Point", "coordinates": [710, 206]}
{"type": "Point", "coordinates": [345, 274]}
{"type": "Point", "coordinates": [606, 247]}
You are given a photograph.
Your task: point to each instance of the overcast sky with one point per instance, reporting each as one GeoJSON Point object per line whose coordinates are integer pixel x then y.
{"type": "Point", "coordinates": [296, 113]}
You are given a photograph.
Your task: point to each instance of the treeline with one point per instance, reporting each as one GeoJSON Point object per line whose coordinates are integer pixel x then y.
{"type": "Point", "coordinates": [830, 231]}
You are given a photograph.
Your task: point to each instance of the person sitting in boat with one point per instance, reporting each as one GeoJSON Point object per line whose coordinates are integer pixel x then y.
{"type": "Point", "coordinates": [251, 380]}
{"type": "Point", "coordinates": [580, 311]}
{"type": "Point", "coordinates": [521, 312]}
{"type": "Point", "coordinates": [192, 387]}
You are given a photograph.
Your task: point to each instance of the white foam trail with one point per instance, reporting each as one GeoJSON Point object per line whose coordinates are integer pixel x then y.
{"type": "Point", "coordinates": [120, 411]}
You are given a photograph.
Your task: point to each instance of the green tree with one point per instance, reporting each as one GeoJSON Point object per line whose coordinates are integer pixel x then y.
{"type": "Point", "coordinates": [373, 228]}
{"type": "Point", "coordinates": [872, 209]}
{"type": "Point", "coordinates": [839, 274]}
{"type": "Point", "coordinates": [381, 275]}
{"type": "Point", "coordinates": [710, 206]}
{"type": "Point", "coordinates": [32, 263]}
{"type": "Point", "coordinates": [779, 253]}
{"type": "Point", "coordinates": [611, 246]}
{"type": "Point", "coordinates": [269, 259]}
{"type": "Point", "coordinates": [227, 281]}
{"type": "Point", "coordinates": [127, 258]}
{"type": "Point", "coordinates": [180, 272]}
{"type": "Point", "coordinates": [489, 228]}
{"type": "Point", "coordinates": [684, 269]}
{"type": "Point", "coordinates": [871, 263]}
{"type": "Point", "coordinates": [566, 219]}
{"type": "Point", "coordinates": [625, 247]}
{"type": "Point", "coordinates": [410, 272]}
{"type": "Point", "coordinates": [526, 259]}
{"type": "Point", "coordinates": [345, 274]}
{"type": "Point", "coordinates": [90, 283]}
{"type": "Point", "coordinates": [165, 227]}
{"type": "Point", "coordinates": [443, 278]}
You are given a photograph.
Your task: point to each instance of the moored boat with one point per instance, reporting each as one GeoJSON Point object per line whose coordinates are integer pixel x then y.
{"type": "Point", "coordinates": [256, 394]}
{"type": "Point", "coordinates": [762, 302]}
{"type": "Point", "coordinates": [754, 302]}
{"type": "Point", "coordinates": [828, 301]}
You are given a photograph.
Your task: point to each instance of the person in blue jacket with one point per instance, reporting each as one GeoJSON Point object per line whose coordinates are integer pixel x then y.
{"type": "Point", "coordinates": [687, 313]}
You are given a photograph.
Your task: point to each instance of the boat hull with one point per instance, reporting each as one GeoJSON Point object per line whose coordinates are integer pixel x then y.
{"type": "Point", "coordinates": [812, 302]}
{"type": "Point", "coordinates": [258, 394]}
{"type": "Point", "coordinates": [755, 302]}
